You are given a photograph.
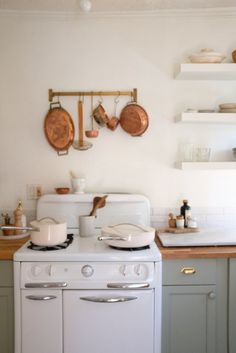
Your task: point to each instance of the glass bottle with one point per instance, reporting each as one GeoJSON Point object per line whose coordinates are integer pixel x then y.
{"type": "Point", "coordinates": [185, 211]}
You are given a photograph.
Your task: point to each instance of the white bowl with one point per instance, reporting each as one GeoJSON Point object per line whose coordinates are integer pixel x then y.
{"type": "Point", "coordinates": [207, 56]}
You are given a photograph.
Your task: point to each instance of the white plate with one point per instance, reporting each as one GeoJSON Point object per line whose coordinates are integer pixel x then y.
{"type": "Point", "coordinates": [14, 237]}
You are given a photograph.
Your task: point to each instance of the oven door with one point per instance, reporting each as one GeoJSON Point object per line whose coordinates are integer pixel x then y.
{"type": "Point", "coordinates": [41, 327]}
{"type": "Point", "coordinates": [100, 321]}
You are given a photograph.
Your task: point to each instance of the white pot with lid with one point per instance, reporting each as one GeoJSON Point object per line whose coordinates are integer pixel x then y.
{"type": "Point", "coordinates": [127, 235]}
{"type": "Point", "coordinates": [48, 232]}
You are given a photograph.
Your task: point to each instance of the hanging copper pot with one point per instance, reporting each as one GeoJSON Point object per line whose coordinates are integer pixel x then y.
{"type": "Point", "coordinates": [134, 119]}
{"type": "Point", "coordinates": [59, 128]}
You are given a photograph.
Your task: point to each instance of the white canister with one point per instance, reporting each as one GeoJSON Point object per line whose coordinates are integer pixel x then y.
{"type": "Point", "coordinates": [87, 226]}
{"type": "Point", "coordinates": [180, 222]}
{"type": "Point", "coordinates": [78, 185]}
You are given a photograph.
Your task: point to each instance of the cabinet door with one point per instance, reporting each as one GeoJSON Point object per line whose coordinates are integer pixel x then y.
{"type": "Point", "coordinates": [189, 314]}
{"type": "Point", "coordinates": [232, 306]}
{"type": "Point", "coordinates": [41, 321]}
{"type": "Point", "coordinates": [6, 320]}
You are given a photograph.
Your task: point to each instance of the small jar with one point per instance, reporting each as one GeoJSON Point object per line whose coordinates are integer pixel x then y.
{"type": "Point", "coordinates": [192, 223]}
{"type": "Point", "coordinates": [180, 221]}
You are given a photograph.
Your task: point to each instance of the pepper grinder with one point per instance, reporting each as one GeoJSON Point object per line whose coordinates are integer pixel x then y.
{"type": "Point", "coordinates": [18, 219]}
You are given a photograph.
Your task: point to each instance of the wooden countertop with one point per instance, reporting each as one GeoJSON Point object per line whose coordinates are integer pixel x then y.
{"type": "Point", "coordinates": [196, 252]}
{"type": "Point", "coordinates": [8, 247]}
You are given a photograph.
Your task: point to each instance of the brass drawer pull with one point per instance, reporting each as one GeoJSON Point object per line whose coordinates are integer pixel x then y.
{"type": "Point", "coordinates": [188, 270]}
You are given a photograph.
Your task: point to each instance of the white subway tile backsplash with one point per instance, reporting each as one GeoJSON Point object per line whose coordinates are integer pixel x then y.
{"type": "Point", "coordinates": [205, 216]}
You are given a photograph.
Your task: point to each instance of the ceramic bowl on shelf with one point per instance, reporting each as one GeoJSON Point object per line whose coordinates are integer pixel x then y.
{"type": "Point", "coordinates": [207, 56]}
{"type": "Point", "coordinates": [234, 56]}
{"type": "Point", "coordinates": [62, 191]}
{"type": "Point", "coordinates": [234, 152]}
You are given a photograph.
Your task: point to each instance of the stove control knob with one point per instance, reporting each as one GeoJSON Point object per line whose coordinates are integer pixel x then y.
{"type": "Point", "coordinates": [36, 270]}
{"type": "Point", "coordinates": [87, 271]}
{"type": "Point", "coordinates": [138, 270]}
{"type": "Point", "coordinates": [51, 270]}
{"type": "Point", "coordinates": [123, 270]}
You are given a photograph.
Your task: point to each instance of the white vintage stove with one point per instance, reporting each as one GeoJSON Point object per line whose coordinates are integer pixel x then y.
{"type": "Point", "coordinates": [84, 296]}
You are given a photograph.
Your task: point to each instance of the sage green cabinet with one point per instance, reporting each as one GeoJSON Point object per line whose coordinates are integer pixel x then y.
{"type": "Point", "coordinates": [232, 306]}
{"type": "Point", "coordinates": [6, 307]}
{"type": "Point", "coordinates": [194, 310]}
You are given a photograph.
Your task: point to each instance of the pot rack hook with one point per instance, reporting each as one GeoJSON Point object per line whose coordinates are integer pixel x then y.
{"type": "Point", "coordinates": [100, 98]}
{"type": "Point", "coordinates": [81, 97]}
{"type": "Point", "coordinates": [116, 100]}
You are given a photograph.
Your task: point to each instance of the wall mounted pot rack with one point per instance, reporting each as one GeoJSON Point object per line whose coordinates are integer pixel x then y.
{"type": "Point", "coordinates": [133, 94]}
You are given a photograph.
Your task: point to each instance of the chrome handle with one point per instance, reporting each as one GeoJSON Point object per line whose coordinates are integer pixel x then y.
{"type": "Point", "coordinates": [188, 270]}
{"type": "Point", "coordinates": [46, 285]}
{"type": "Point", "coordinates": [128, 285]}
{"type": "Point", "coordinates": [108, 299]}
{"type": "Point", "coordinates": [41, 297]}
{"type": "Point", "coordinates": [19, 228]}
{"type": "Point", "coordinates": [113, 238]}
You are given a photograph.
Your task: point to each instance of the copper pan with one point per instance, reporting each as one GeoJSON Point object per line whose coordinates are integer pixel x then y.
{"type": "Point", "coordinates": [59, 128]}
{"type": "Point", "coordinates": [134, 119]}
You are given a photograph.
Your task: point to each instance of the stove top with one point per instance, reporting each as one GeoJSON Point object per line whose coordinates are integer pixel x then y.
{"type": "Point", "coordinates": [61, 246]}
{"type": "Point", "coordinates": [88, 249]}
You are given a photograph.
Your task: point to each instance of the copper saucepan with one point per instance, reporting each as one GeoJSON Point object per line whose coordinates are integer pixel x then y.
{"type": "Point", "coordinates": [134, 119]}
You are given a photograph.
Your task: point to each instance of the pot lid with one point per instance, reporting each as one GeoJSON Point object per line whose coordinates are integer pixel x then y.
{"type": "Point", "coordinates": [127, 229]}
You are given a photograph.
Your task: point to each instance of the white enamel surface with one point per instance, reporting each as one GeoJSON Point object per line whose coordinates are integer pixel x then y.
{"type": "Point", "coordinates": [87, 249]}
{"type": "Point", "coordinates": [95, 327]}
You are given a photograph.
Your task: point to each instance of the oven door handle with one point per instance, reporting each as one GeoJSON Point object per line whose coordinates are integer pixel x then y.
{"type": "Point", "coordinates": [108, 299]}
{"type": "Point", "coordinates": [46, 285]}
{"type": "Point", "coordinates": [41, 297]}
{"type": "Point", "coordinates": [128, 285]}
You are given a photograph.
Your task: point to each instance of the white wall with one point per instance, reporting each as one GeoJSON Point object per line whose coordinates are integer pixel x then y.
{"type": "Point", "coordinates": [112, 53]}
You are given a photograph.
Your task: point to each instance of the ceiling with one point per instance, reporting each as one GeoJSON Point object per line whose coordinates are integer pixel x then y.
{"type": "Point", "coordinates": [113, 5]}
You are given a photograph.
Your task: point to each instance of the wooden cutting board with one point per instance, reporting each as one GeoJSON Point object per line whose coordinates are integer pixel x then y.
{"type": "Point", "coordinates": [178, 230]}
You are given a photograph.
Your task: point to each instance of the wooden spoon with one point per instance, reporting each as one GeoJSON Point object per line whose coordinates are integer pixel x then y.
{"type": "Point", "coordinates": [98, 202]}
{"type": "Point", "coordinates": [81, 144]}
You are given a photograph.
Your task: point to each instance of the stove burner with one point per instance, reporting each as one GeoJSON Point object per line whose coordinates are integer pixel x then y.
{"type": "Point", "coordinates": [64, 245]}
{"type": "Point", "coordinates": [130, 249]}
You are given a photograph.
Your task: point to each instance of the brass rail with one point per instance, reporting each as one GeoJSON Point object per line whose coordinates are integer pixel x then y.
{"type": "Point", "coordinates": [133, 94]}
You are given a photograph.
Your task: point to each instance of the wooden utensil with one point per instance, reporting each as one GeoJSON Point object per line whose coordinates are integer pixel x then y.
{"type": "Point", "coordinates": [81, 144]}
{"type": "Point", "coordinates": [98, 202]}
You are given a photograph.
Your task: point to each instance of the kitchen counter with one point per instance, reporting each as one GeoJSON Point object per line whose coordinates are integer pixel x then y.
{"type": "Point", "coordinates": [8, 247]}
{"type": "Point", "coordinates": [196, 252]}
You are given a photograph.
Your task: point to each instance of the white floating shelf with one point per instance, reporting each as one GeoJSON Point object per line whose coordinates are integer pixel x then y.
{"type": "Point", "coordinates": [212, 118]}
{"type": "Point", "coordinates": [205, 165]}
{"type": "Point", "coordinates": [207, 72]}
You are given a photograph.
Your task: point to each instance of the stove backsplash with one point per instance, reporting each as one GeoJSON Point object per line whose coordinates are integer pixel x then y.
{"type": "Point", "coordinates": [205, 217]}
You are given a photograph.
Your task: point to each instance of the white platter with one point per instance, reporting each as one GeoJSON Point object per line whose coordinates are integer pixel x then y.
{"type": "Point", "coordinates": [14, 237]}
